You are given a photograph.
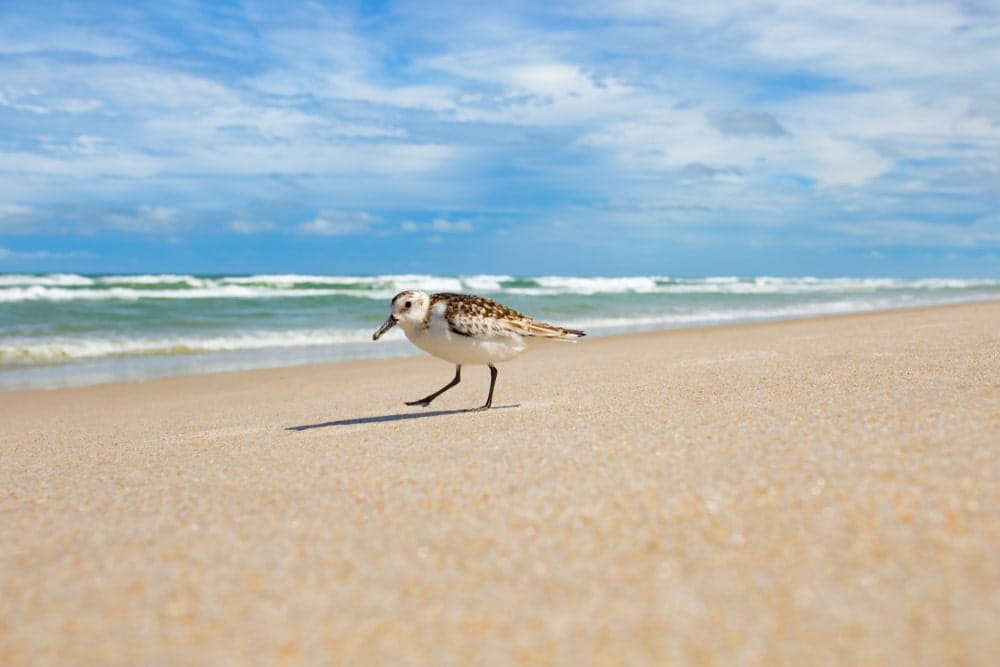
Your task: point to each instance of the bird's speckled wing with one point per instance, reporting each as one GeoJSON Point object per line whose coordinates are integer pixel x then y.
{"type": "Point", "coordinates": [479, 317]}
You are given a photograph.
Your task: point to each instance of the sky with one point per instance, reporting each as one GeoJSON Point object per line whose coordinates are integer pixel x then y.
{"type": "Point", "coordinates": [586, 137]}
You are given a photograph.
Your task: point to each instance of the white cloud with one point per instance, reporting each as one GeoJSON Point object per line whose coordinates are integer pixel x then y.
{"type": "Point", "coordinates": [435, 98]}
{"type": "Point", "coordinates": [439, 225]}
{"type": "Point", "coordinates": [251, 226]}
{"type": "Point", "coordinates": [876, 42]}
{"type": "Point", "coordinates": [980, 234]}
{"type": "Point", "coordinates": [86, 144]}
{"type": "Point", "coordinates": [150, 87]}
{"type": "Point", "coordinates": [858, 40]}
{"type": "Point", "coordinates": [526, 86]}
{"type": "Point", "coordinates": [341, 223]}
{"type": "Point", "coordinates": [905, 81]}
{"type": "Point", "coordinates": [550, 79]}
{"type": "Point", "coordinates": [7, 255]}
{"type": "Point", "coordinates": [837, 139]}
{"type": "Point", "coordinates": [836, 162]}
{"type": "Point", "coordinates": [31, 101]}
{"type": "Point", "coordinates": [778, 108]}
{"type": "Point", "coordinates": [747, 123]}
{"type": "Point", "coordinates": [148, 220]}
{"type": "Point", "coordinates": [16, 218]}
{"type": "Point", "coordinates": [668, 140]}
{"type": "Point", "coordinates": [125, 163]}
{"type": "Point", "coordinates": [14, 212]}
{"type": "Point", "coordinates": [451, 226]}
{"type": "Point", "coordinates": [20, 37]}
{"type": "Point", "coordinates": [327, 60]}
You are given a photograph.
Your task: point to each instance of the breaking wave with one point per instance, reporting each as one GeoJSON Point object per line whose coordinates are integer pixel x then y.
{"type": "Point", "coordinates": [67, 349]}
{"type": "Point", "coordinates": [16, 288]}
{"type": "Point", "coordinates": [62, 328]}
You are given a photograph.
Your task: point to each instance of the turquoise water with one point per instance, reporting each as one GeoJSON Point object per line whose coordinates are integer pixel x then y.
{"type": "Point", "coordinates": [69, 329]}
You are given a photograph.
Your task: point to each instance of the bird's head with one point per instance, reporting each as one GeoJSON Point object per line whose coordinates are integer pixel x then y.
{"type": "Point", "coordinates": [408, 309]}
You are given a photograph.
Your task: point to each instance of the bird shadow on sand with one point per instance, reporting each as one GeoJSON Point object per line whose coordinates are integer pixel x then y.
{"type": "Point", "coordinates": [400, 416]}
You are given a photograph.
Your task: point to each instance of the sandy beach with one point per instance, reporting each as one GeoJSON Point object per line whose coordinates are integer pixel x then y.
{"type": "Point", "coordinates": [807, 492]}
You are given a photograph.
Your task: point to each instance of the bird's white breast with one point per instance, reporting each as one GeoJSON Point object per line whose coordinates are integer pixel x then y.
{"type": "Point", "coordinates": [439, 340]}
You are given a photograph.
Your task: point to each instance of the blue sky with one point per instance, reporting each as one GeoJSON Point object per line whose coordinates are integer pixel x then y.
{"type": "Point", "coordinates": [709, 138]}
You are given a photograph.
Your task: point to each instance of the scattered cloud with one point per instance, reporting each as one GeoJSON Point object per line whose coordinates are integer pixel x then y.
{"type": "Point", "coordinates": [148, 220]}
{"type": "Point", "coordinates": [439, 225]}
{"type": "Point", "coordinates": [341, 223]}
{"type": "Point", "coordinates": [19, 219]}
{"type": "Point", "coordinates": [14, 212]}
{"type": "Point", "coordinates": [15, 256]}
{"type": "Point", "coordinates": [747, 123]}
{"type": "Point", "coordinates": [916, 233]}
{"type": "Point", "coordinates": [31, 101]}
{"type": "Point", "coordinates": [703, 119]}
{"type": "Point", "coordinates": [251, 226]}
{"type": "Point", "coordinates": [451, 226]}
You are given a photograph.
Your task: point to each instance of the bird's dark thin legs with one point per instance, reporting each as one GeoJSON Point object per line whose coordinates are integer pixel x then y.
{"type": "Point", "coordinates": [426, 400]}
{"type": "Point", "coordinates": [493, 382]}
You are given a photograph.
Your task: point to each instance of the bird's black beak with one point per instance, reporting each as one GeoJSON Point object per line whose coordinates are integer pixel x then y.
{"type": "Point", "coordinates": [389, 323]}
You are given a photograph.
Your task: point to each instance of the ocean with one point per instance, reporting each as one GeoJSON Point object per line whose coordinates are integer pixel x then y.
{"type": "Point", "coordinates": [60, 330]}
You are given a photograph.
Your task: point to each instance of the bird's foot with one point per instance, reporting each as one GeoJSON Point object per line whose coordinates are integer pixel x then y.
{"type": "Point", "coordinates": [423, 402]}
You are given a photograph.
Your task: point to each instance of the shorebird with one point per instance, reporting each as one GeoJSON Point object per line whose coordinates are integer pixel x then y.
{"type": "Point", "coordinates": [466, 329]}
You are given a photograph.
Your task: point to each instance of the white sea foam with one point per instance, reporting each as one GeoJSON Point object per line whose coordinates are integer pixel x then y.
{"type": "Point", "coordinates": [157, 279]}
{"type": "Point", "coordinates": [51, 279]}
{"type": "Point", "coordinates": [559, 285]}
{"type": "Point", "coordinates": [68, 349]}
{"type": "Point", "coordinates": [574, 285]}
{"type": "Point", "coordinates": [291, 279]}
{"type": "Point", "coordinates": [722, 316]}
{"type": "Point", "coordinates": [41, 293]}
{"type": "Point", "coordinates": [16, 288]}
{"type": "Point", "coordinates": [116, 342]}
{"type": "Point", "coordinates": [56, 350]}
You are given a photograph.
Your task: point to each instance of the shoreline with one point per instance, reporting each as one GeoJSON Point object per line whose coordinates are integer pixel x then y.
{"type": "Point", "coordinates": [226, 363]}
{"type": "Point", "coordinates": [818, 491]}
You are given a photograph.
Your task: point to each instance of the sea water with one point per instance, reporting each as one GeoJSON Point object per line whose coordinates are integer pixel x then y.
{"type": "Point", "coordinates": [70, 329]}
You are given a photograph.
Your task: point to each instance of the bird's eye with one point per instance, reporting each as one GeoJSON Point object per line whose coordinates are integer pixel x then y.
{"type": "Point", "coordinates": [407, 304]}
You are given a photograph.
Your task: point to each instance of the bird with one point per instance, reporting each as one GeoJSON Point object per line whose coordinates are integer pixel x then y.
{"type": "Point", "coordinates": [466, 329]}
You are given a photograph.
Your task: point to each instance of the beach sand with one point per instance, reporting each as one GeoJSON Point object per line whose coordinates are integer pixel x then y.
{"type": "Point", "coordinates": [807, 492]}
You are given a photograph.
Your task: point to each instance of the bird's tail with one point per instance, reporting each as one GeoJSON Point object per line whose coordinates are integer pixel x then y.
{"type": "Point", "coordinates": [552, 332]}
{"type": "Point", "coordinates": [572, 334]}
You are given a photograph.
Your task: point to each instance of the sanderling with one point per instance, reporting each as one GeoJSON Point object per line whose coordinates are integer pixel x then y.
{"type": "Point", "coordinates": [466, 329]}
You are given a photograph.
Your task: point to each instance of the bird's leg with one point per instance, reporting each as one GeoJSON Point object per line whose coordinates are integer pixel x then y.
{"type": "Point", "coordinates": [489, 399]}
{"type": "Point", "coordinates": [426, 400]}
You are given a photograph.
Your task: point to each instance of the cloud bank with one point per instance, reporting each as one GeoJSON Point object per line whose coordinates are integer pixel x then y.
{"type": "Point", "coordinates": [613, 129]}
